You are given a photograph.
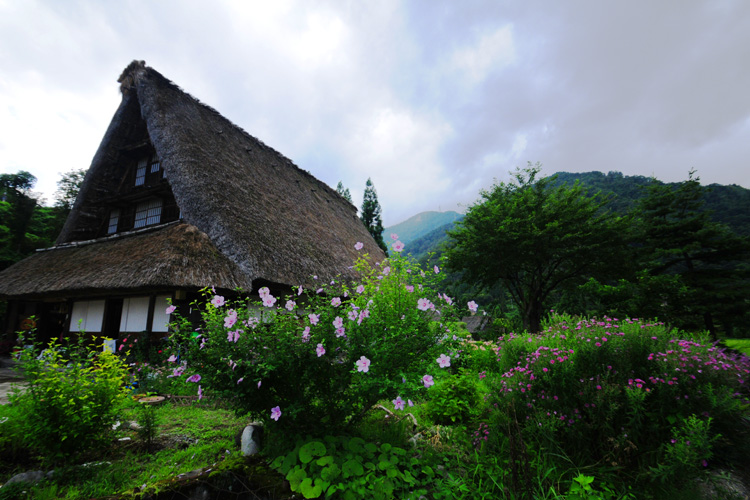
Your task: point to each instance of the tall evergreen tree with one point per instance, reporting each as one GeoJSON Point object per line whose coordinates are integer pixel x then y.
{"type": "Point", "coordinates": [344, 192]}
{"type": "Point", "coordinates": [679, 239]}
{"type": "Point", "coordinates": [370, 215]}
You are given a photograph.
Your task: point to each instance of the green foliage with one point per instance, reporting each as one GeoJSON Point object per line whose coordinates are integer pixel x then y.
{"type": "Point", "coordinates": [370, 215]}
{"type": "Point", "coordinates": [455, 400]}
{"type": "Point", "coordinates": [300, 353]}
{"type": "Point", "coordinates": [628, 383]}
{"type": "Point", "coordinates": [581, 488]}
{"type": "Point", "coordinates": [344, 192]}
{"type": "Point", "coordinates": [71, 398]}
{"type": "Point", "coordinates": [352, 468]}
{"type": "Point", "coordinates": [148, 422]}
{"type": "Point", "coordinates": [533, 238]}
{"type": "Point", "coordinates": [687, 452]}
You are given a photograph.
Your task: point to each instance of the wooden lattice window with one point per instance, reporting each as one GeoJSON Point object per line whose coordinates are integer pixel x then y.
{"type": "Point", "coordinates": [148, 212]}
{"type": "Point", "coordinates": [114, 219]}
{"type": "Point", "coordinates": [148, 165]}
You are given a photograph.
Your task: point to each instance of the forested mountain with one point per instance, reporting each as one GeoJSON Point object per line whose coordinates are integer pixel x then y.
{"type": "Point", "coordinates": [728, 205]}
{"type": "Point", "coordinates": [421, 224]}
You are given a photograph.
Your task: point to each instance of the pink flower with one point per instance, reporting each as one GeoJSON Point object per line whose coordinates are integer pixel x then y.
{"type": "Point", "coordinates": [398, 246]}
{"type": "Point", "coordinates": [360, 288]}
{"type": "Point", "coordinates": [299, 292]}
{"type": "Point", "coordinates": [472, 306]}
{"type": "Point", "coordinates": [290, 305]}
{"type": "Point", "coordinates": [233, 336]}
{"type": "Point", "coordinates": [436, 269]}
{"type": "Point", "coordinates": [363, 364]}
{"type": "Point", "coordinates": [447, 299]}
{"type": "Point", "coordinates": [364, 313]}
{"type": "Point", "coordinates": [194, 378]}
{"type": "Point", "coordinates": [423, 304]}
{"type": "Point", "coordinates": [217, 301]}
{"type": "Point", "coordinates": [359, 245]}
{"type": "Point", "coordinates": [240, 380]}
{"type": "Point", "coordinates": [340, 332]}
{"type": "Point", "coordinates": [275, 413]}
{"type": "Point", "coordinates": [411, 403]}
{"type": "Point", "coordinates": [264, 291]}
{"type": "Point", "coordinates": [428, 381]}
{"type": "Point", "coordinates": [386, 270]}
{"type": "Point", "coordinates": [338, 322]}
{"type": "Point", "coordinates": [399, 403]}
{"type": "Point", "coordinates": [306, 334]}
{"type": "Point", "coordinates": [171, 359]}
{"type": "Point", "coordinates": [444, 361]}
{"type": "Point", "coordinates": [320, 350]}
{"type": "Point", "coordinates": [352, 315]}
{"type": "Point", "coordinates": [229, 321]}
{"type": "Point", "coordinates": [269, 300]}
{"type": "Point", "coordinates": [200, 393]}
{"type": "Point", "coordinates": [409, 288]}
{"type": "Point", "coordinates": [259, 382]}
{"type": "Point", "coordinates": [394, 237]}
{"type": "Point", "coordinates": [314, 318]}
{"type": "Point", "coordinates": [171, 309]}
{"type": "Point", "coordinates": [335, 302]}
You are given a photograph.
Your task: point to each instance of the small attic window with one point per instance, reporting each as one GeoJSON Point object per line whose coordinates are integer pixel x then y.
{"type": "Point", "coordinates": [148, 165]}
{"type": "Point", "coordinates": [147, 213]}
{"type": "Point", "coordinates": [114, 219]}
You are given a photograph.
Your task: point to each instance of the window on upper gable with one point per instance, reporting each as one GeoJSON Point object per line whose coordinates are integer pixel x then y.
{"type": "Point", "coordinates": [114, 219]}
{"type": "Point", "coordinates": [147, 170]}
{"type": "Point", "coordinates": [148, 212]}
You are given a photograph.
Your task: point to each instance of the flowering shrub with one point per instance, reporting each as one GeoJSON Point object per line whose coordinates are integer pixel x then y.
{"type": "Point", "coordinates": [612, 391]}
{"type": "Point", "coordinates": [320, 358]}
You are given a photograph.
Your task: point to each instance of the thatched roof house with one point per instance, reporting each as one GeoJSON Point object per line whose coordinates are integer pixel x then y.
{"type": "Point", "coordinates": [178, 198]}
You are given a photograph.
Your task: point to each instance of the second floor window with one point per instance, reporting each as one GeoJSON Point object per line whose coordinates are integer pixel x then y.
{"type": "Point", "coordinates": [147, 213]}
{"type": "Point", "coordinates": [148, 165]}
{"type": "Point", "coordinates": [114, 219]}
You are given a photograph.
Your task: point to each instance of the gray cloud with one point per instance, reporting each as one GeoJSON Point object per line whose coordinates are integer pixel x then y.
{"type": "Point", "coordinates": [433, 100]}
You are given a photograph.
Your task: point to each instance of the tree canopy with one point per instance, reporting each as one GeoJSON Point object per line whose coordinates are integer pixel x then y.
{"type": "Point", "coordinates": [533, 238]}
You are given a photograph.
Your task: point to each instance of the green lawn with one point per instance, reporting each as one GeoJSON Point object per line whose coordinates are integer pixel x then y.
{"type": "Point", "coordinates": [742, 345]}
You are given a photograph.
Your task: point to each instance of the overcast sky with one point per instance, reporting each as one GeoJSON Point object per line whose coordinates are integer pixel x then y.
{"type": "Point", "coordinates": [432, 100]}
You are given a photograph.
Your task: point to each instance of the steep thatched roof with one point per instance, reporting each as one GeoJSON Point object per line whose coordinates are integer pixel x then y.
{"type": "Point", "coordinates": [273, 220]}
{"type": "Point", "coordinates": [175, 255]}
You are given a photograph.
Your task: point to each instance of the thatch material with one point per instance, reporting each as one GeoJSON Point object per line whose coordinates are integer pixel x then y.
{"type": "Point", "coordinates": [276, 222]}
{"type": "Point", "coordinates": [176, 255]}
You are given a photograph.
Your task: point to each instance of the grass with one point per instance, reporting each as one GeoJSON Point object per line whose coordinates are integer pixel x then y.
{"type": "Point", "coordinates": [741, 345]}
{"type": "Point", "coordinates": [189, 438]}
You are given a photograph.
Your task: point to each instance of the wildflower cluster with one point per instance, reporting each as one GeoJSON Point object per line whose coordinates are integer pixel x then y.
{"type": "Point", "coordinates": [324, 354]}
{"type": "Point", "coordinates": [625, 382]}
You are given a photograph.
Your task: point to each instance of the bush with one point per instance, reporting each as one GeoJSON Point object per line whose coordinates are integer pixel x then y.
{"type": "Point", "coordinates": [71, 399]}
{"type": "Point", "coordinates": [455, 400]}
{"type": "Point", "coordinates": [628, 383]}
{"type": "Point", "coordinates": [321, 358]}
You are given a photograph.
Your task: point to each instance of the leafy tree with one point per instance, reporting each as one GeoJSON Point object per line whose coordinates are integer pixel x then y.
{"type": "Point", "coordinates": [370, 215]}
{"type": "Point", "coordinates": [679, 239]}
{"type": "Point", "coordinates": [68, 187]}
{"type": "Point", "coordinates": [534, 238]}
{"type": "Point", "coordinates": [344, 192]}
{"type": "Point", "coordinates": [18, 207]}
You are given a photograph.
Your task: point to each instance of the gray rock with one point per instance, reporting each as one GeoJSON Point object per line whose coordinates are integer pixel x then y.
{"type": "Point", "coordinates": [251, 439]}
{"type": "Point", "coordinates": [33, 476]}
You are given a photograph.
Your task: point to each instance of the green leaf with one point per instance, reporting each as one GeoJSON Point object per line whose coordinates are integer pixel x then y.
{"type": "Point", "coordinates": [310, 490]}
{"type": "Point", "coordinates": [330, 473]}
{"type": "Point", "coordinates": [311, 450]}
{"type": "Point", "coordinates": [295, 478]}
{"type": "Point", "coordinates": [352, 468]}
{"type": "Point", "coordinates": [326, 460]}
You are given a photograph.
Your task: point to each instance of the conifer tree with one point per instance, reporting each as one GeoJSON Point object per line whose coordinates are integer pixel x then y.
{"type": "Point", "coordinates": [344, 192]}
{"type": "Point", "coordinates": [370, 215]}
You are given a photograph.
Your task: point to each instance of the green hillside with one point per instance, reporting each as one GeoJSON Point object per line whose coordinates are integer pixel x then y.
{"type": "Point", "coordinates": [420, 225]}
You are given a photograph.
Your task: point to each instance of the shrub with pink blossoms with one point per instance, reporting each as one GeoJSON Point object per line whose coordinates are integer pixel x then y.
{"type": "Point", "coordinates": [327, 356]}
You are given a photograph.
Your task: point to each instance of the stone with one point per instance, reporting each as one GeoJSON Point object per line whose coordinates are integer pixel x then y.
{"type": "Point", "coordinates": [33, 476]}
{"type": "Point", "coordinates": [251, 439]}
